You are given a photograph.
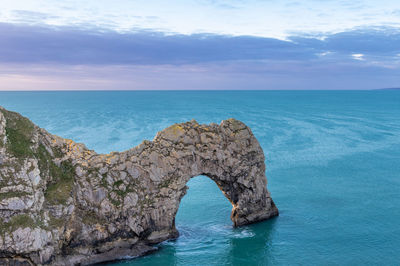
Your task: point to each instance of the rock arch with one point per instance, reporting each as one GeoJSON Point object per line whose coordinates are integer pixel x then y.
{"type": "Point", "coordinates": [83, 207]}
{"type": "Point", "coordinates": [229, 155]}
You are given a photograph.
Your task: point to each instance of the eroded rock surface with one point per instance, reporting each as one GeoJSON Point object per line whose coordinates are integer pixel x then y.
{"type": "Point", "coordinates": [63, 204]}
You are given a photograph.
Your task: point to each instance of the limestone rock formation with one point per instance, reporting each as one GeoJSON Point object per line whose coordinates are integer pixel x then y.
{"type": "Point", "coordinates": [63, 204]}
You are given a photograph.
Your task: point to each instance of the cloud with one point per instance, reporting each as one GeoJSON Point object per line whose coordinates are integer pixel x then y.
{"type": "Point", "coordinates": [374, 40]}
{"type": "Point", "coordinates": [221, 4]}
{"type": "Point", "coordinates": [358, 57]}
{"type": "Point", "coordinates": [31, 17]}
{"type": "Point", "coordinates": [21, 43]}
{"type": "Point", "coordinates": [38, 57]}
{"type": "Point", "coordinates": [72, 45]}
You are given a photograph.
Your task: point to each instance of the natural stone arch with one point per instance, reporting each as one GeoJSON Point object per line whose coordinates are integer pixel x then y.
{"type": "Point", "coordinates": [228, 154]}
{"type": "Point", "coordinates": [84, 207]}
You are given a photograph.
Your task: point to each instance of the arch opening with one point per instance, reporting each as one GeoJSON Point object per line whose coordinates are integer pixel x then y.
{"type": "Point", "coordinates": [203, 204]}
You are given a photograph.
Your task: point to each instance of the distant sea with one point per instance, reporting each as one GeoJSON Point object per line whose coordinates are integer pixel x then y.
{"type": "Point", "coordinates": [333, 169]}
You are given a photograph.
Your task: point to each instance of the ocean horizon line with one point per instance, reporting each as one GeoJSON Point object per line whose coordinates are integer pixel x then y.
{"type": "Point", "coordinates": [207, 90]}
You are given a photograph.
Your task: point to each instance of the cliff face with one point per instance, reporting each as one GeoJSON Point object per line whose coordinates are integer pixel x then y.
{"type": "Point", "coordinates": [63, 204]}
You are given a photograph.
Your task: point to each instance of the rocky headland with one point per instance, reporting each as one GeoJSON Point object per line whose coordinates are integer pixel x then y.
{"type": "Point", "coordinates": [63, 204]}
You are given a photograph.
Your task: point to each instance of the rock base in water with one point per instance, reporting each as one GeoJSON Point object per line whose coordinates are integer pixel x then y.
{"type": "Point", "coordinates": [63, 204]}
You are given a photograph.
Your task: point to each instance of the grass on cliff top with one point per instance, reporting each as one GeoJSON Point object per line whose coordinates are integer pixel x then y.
{"type": "Point", "coordinates": [19, 132]}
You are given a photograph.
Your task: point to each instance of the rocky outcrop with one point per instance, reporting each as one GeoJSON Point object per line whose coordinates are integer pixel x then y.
{"type": "Point", "coordinates": [63, 204]}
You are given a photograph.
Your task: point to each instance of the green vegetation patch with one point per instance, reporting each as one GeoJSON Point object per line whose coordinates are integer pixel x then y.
{"type": "Point", "coordinates": [17, 221]}
{"type": "Point", "coordinates": [115, 202]}
{"type": "Point", "coordinates": [118, 183]}
{"type": "Point", "coordinates": [103, 181]}
{"type": "Point", "coordinates": [45, 161]}
{"type": "Point", "coordinates": [60, 188]}
{"type": "Point", "coordinates": [12, 194]}
{"type": "Point", "coordinates": [92, 171]}
{"type": "Point", "coordinates": [57, 152]}
{"type": "Point", "coordinates": [19, 132]}
{"type": "Point", "coordinates": [56, 222]}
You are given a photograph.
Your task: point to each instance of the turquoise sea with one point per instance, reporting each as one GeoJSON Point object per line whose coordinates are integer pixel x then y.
{"type": "Point", "coordinates": [333, 169]}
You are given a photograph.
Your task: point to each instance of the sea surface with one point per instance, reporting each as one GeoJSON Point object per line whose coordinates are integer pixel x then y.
{"type": "Point", "coordinates": [333, 169]}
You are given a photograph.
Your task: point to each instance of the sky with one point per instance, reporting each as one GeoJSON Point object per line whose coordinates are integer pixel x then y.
{"type": "Point", "coordinates": [199, 44]}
